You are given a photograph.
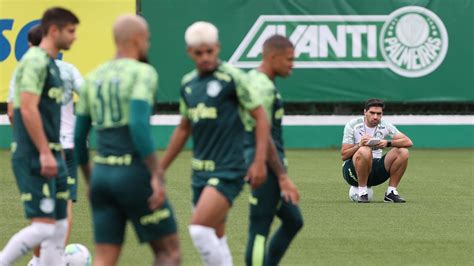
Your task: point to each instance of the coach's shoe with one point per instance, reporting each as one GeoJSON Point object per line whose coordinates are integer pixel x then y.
{"type": "Point", "coordinates": [392, 197]}
{"type": "Point", "coordinates": [363, 198]}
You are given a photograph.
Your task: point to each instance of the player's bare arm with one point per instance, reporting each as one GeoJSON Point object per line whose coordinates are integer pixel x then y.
{"type": "Point", "coordinates": [34, 126]}
{"type": "Point", "coordinates": [400, 140]}
{"type": "Point", "coordinates": [257, 172]}
{"type": "Point", "coordinates": [348, 150]}
{"type": "Point", "coordinates": [288, 189]}
{"type": "Point", "coordinates": [157, 182]}
{"type": "Point", "coordinates": [178, 139]}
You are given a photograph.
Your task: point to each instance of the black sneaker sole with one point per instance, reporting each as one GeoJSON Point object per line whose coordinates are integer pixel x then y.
{"type": "Point", "coordinates": [391, 201]}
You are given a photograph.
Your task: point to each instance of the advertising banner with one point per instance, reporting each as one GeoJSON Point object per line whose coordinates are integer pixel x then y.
{"type": "Point", "coordinates": [345, 51]}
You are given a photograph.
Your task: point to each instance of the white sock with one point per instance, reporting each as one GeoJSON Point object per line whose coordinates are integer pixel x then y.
{"type": "Point", "coordinates": [226, 250]}
{"type": "Point", "coordinates": [25, 240]}
{"type": "Point", "coordinates": [390, 189]}
{"type": "Point", "coordinates": [52, 248]}
{"type": "Point", "coordinates": [363, 191]}
{"type": "Point", "coordinates": [206, 242]}
{"type": "Point", "coordinates": [35, 261]}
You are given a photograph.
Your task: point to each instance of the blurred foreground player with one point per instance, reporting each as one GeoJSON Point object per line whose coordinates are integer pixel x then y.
{"type": "Point", "coordinates": [127, 182]}
{"type": "Point", "coordinates": [278, 196]}
{"type": "Point", "coordinates": [38, 166]}
{"type": "Point", "coordinates": [214, 99]}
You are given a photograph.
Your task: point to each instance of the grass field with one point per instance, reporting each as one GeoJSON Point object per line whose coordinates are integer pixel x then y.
{"type": "Point", "coordinates": [435, 226]}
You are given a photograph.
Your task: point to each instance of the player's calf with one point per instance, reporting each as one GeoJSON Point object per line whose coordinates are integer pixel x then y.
{"type": "Point", "coordinates": [206, 242]}
{"type": "Point", "coordinates": [23, 241]}
{"type": "Point", "coordinates": [52, 248]}
{"type": "Point", "coordinates": [167, 251]}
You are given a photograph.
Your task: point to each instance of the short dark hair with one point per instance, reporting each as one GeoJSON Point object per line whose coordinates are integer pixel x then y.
{"type": "Point", "coordinates": [374, 102]}
{"type": "Point", "coordinates": [35, 34]}
{"type": "Point", "coordinates": [277, 42]}
{"type": "Point", "coordinates": [57, 16]}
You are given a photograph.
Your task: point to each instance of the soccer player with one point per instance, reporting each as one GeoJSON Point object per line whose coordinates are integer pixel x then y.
{"type": "Point", "coordinates": [35, 34]}
{"type": "Point", "coordinates": [278, 196]}
{"type": "Point", "coordinates": [215, 97]}
{"type": "Point", "coordinates": [364, 166]}
{"type": "Point", "coordinates": [72, 81]}
{"type": "Point", "coordinates": [37, 163]}
{"type": "Point", "coordinates": [127, 182]}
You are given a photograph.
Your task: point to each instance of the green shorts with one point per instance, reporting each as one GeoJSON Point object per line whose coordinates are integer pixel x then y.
{"type": "Point", "coordinates": [377, 176]}
{"type": "Point", "coordinates": [120, 193]}
{"type": "Point", "coordinates": [230, 188]}
{"type": "Point", "coordinates": [71, 164]}
{"type": "Point", "coordinates": [42, 197]}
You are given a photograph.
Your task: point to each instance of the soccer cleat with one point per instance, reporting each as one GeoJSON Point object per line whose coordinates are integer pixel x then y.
{"type": "Point", "coordinates": [392, 197]}
{"type": "Point", "coordinates": [363, 198]}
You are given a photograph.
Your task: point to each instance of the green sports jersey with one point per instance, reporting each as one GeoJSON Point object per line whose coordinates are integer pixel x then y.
{"type": "Point", "coordinates": [106, 97]}
{"type": "Point", "coordinates": [37, 74]}
{"type": "Point", "coordinates": [273, 105]}
{"type": "Point", "coordinates": [217, 104]}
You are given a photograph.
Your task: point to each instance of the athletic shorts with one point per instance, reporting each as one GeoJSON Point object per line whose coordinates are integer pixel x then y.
{"type": "Point", "coordinates": [119, 194]}
{"type": "Point", "coordinates": [72, 181]}
{"type": "Point", "coordinates": [230, 188]}
{"type": "Point", "coordinates": [42, 197]}
{"type": "Point", "coordinates": [377, 176]}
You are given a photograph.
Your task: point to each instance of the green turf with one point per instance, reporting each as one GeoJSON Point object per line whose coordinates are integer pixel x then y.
{"type": "Point", "coordinates": [435, 227]}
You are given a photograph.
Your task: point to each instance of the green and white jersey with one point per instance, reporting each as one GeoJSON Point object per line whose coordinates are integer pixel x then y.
{"type": "Point", "coordinates": [356, 128]}
{"type": "Point", "coordinates": [72, 82]}
{"type": "Point", "coordinates": [273, 105]}
{"type": "Point", "coordinates": [216, 105]}
{"type": "Point", "coordinates": [37, 74]}
{"type": "Point", "coordinates": [106, 96]}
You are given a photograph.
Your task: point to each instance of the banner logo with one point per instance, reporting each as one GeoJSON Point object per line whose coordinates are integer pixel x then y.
{"type": "Point", "coordinates": [412, 41]}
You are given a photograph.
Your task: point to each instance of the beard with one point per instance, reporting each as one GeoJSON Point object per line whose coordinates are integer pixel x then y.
{"type": "Point", "coordinates": [63, 45]}
{"type": "Point", "coordinates": [144, 59]}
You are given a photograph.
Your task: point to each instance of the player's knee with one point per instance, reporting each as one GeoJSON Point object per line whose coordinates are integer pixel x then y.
{"type": "Point", "coordinates": [364, 153]}
{"type": "Point", "coordinates": [171, 256]}
{"type": "Point", "coordinates": [403, 153]}
{"type": "Point", "coordinates": [43, 230]}
{"type": "Point", "coordinates": [200, 234]}
{"type": "Point", "coordinates": [294, 223]}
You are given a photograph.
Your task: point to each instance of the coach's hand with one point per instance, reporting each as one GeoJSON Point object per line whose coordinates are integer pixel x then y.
{"type": "Point", "coordinates": [289, 191]}
{"type": "Point", "coordinates": [382, 144]}
{"type": "Point", "coordinates": [364, 140]}
{"type": "Point", "coordinates": [158, 196]}
{"type": "Point", "coordinates": [49, 166]}
{"type": "Point", "coordinates": [257, 174]}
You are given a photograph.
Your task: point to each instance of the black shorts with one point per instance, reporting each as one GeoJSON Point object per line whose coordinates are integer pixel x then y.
{"type": "Point", "coordinates": [377, 176]}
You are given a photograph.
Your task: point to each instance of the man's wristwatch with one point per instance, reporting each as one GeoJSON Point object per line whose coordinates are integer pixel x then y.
{"type": "Point", "coordinates": [389, 144]}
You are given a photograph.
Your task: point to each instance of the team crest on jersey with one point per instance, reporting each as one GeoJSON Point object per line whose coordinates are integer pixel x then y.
{"type": "Point", "coordinates": [214, 87]}
{"type": "Point", "coordinates": [378, 135]}
{"type": "Point", "coordinates": [47, 205]}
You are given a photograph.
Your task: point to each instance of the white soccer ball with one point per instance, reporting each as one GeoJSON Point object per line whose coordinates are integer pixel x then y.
{"type": "Point", "coordinates": [354, 193]}
{"type": "Point", "coordinates": [77, 255]}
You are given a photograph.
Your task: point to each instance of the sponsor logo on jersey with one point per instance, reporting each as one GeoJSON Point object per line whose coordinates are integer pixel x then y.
{"type": "Point", "coordinates": [411, 41]}
{"type": "Point", "coordinates": [201, 111]}
{"type": "Point", "coordinates": [56, 94]}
